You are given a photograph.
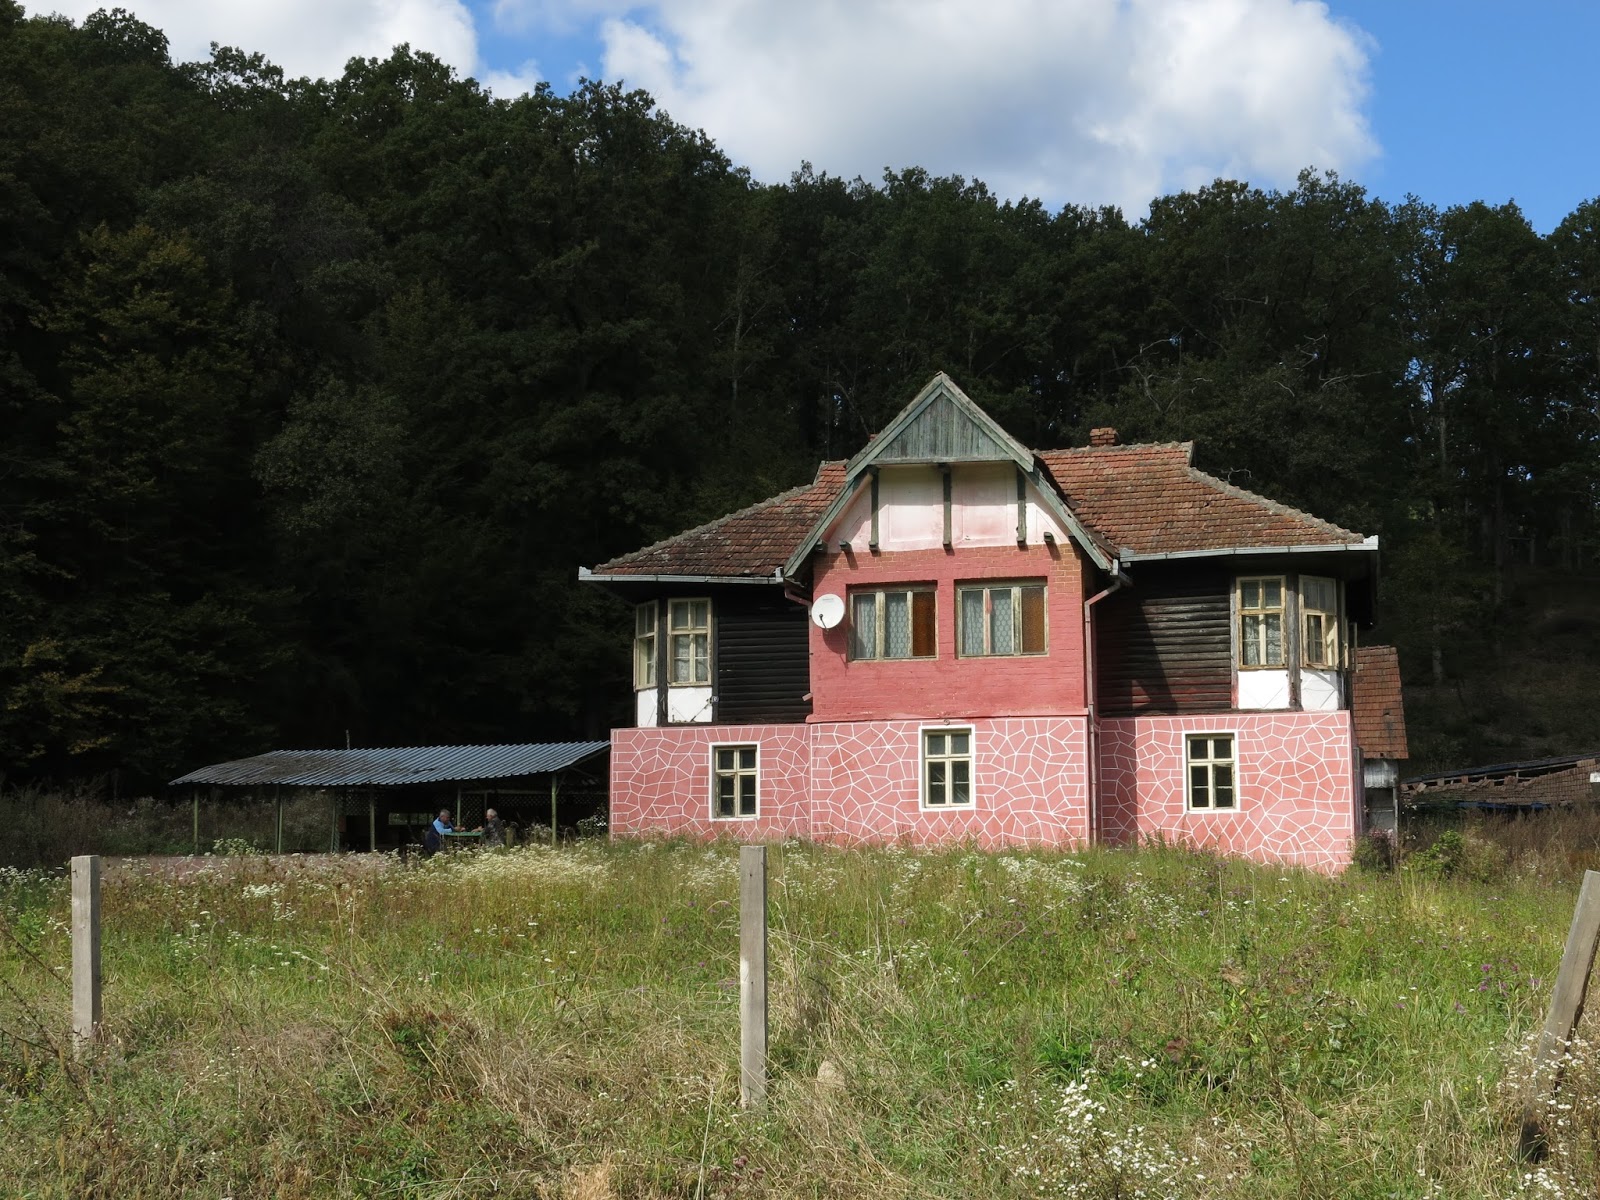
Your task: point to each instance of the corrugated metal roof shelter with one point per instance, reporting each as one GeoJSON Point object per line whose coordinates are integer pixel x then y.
{"type": "Point", "coordinates": [393, 785]}
{"type": "Point", "coordinates": [394, 766]}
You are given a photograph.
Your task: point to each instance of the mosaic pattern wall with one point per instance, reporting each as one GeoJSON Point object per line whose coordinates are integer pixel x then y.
{"type": "Point", "coordinates": [1028, 783]}
{"type": "Point", "coordinates": [661, 780]}
{"type": "Point", "coordinates": [1296, 795]}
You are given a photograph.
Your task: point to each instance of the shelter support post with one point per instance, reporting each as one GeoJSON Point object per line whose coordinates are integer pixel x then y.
{"type": "Point", "coordinates": [195, 795]}
{"type": "Point", "coordinates": [277, 797]}
{"type": "Point", "coordinates": [372, 822]}
{"type": "Point", "coordinates": [554, 783]}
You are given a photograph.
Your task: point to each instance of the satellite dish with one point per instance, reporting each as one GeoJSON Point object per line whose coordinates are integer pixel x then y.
{"type": "Point", "coordinates": [827, 611]}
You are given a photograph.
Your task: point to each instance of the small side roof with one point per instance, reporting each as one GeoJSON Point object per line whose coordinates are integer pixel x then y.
{"type": "Point", "coordinates": [1378, 706]}
{"type": "Point", "coordinates": [752, 543]}
{"type": "Point", "coordinates": [394, 766]}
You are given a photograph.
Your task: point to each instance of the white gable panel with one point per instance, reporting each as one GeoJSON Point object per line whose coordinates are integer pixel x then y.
{"type": "Point", "coordinates": [983, 510]}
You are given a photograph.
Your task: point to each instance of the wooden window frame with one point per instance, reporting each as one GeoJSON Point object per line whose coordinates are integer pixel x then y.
{"type": "Point", "coordinates": [645, 646]}
{"type": "Point", "coordinates": [880, 610]}
{"type": "Point", "coordinates": [691, 632]}
{"type": "Point", "coordinates": [1332, 640]}
{"type": "Point", "coordinates": [1210, 762]}
{"type": "Point", "coordinates": [1015, 586]}
{"type": "Point", "coordinates": [736, 772]}
{"type": "Point", "coordinates": [1241, 613]}
{"type": "Point", "coordinates": [926, 802]}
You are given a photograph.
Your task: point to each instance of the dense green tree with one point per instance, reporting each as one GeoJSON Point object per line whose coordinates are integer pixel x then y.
{"type": "Point", "coordinates": [314, 393]}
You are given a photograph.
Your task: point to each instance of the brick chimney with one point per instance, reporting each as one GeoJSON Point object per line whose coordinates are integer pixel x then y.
{"type": "Point", "coordinates": [1103, 436]}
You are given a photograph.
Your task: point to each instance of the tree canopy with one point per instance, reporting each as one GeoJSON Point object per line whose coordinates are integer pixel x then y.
{"type": "Point", "coordinates": [314, 393]}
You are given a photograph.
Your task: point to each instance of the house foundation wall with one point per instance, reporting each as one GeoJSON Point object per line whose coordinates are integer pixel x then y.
{"type": "Point", "coordinates": [1029, 783]}
{"type": "Point", "coordinates": [856, 782]}
{"type": "Point", "coordinates": [1295, 779]}
{"type": "Point", "coordinates": [859, 782]}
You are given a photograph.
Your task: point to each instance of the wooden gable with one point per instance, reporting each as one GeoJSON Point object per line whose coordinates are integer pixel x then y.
{"type": "Point", "coordinates": [943, 426]}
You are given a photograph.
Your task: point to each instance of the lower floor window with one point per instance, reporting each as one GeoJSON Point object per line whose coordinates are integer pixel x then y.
{"type": "Point", "coordinates": [1210, 763]}
{"type": "Point", "coordinates": [733, 781]}
{"type": "Point", "coordinates": [946, 767]}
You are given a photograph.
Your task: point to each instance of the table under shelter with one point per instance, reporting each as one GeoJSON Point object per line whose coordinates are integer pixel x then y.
{"type": "Point", "coordinates": [389, 795]}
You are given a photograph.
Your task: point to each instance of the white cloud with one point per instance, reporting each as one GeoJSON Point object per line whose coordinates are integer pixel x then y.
{"type": "Point", "coordinates": [508, 85]}
{"type": "Point", "coordinates": [1089, 101]}
{"type": "Point", "coordinates": [304, 37]}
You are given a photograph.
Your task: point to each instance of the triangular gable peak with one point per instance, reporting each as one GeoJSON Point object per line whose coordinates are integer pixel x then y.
{"type": "Point", "coordinates": [943, 427]}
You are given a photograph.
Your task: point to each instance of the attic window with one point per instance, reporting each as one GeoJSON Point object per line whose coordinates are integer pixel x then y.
{"type": "Point", "coordinates": [1261, 622]}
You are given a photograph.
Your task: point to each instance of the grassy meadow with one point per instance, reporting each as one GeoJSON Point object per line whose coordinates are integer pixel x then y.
{"type": "Point", "coordinates": [564, 1023]}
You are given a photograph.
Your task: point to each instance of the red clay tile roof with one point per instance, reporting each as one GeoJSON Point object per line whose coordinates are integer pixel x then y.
{"type": "Point", "coordinates": [1379, 710]}
{"type": "Point", "coordinates": [1143, 499]}
{"type": "Point", "coordinates": [1148, 500]}
{"type": "Point", "coordinates": [754, 541]}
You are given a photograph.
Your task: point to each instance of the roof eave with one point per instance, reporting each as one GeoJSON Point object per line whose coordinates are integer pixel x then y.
{"type": "Point", "coordinates": [1367, 545]}
{"type": "Point", "coordinates": [585, 575]}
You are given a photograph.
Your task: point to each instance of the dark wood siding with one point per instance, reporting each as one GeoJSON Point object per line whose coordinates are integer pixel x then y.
{"type": "Point", "coordinates": [763, 657]}
{"type": "Point", "coordinates": [1164, 645]}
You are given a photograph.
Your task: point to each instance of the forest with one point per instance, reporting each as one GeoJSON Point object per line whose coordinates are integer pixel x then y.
{"type": "Point", "coordinates": [314, 394]}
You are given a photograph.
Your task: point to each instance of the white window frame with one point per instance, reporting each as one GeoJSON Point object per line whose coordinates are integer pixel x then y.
{"type": "Point", "coordinates": [1281, 608]}
{"type": "Point", "coordinates": [1211, 762]}
{"type": "Point", "coordinates": [754, 773]}
{"type": "Point", "coordinates": [880, 610]}
{"type": "Point", "coordinates": [1332, 640]}
{"type": "Point", "coordinates": [990, 589]}
{"type": "Point", "coordinates": [924, 801]}
{"type": "Point", "coordinates": [691, 632]}
{"type": "Point", "coordinates": [646, 647]}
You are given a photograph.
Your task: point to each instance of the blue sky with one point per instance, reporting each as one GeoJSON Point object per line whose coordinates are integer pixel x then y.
{"type": "Point", "coordinates": [1478, 101]}
{"type": "Point", "coordinates": [1083, 101]}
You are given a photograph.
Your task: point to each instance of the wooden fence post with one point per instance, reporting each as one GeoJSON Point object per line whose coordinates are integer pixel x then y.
{"type": "Point", "coordinates": [1566, 1008]}
{"type": "Point", "coordinates": [85, 950]}
{"type": "Point", "coordinates": [752, 976]}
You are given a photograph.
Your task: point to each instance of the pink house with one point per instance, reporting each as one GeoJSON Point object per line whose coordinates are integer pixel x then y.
{"type": "Point", "coordinates": [952, 637]}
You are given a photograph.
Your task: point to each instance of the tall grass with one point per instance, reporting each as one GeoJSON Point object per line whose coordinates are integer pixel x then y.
{"type": "Point", "coordinates": [45, 828]}
{"type": "Point", "coordinates": [564, 1023]}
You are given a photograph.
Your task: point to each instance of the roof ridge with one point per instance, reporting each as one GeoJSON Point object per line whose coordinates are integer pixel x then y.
{"type": "Point", "coordinates": [1276, 506]}
{"type": "Point", "coordinates": [790, 494]}
{"type": "Point", "coordinates": [1185, 446]}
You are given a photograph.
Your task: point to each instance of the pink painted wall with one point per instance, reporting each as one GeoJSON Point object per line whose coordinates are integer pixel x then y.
{"type": "Point", "coordinates": [854, 782]}
{"type": "Point", "coordinates": [1296, 794]}
{"type": "Point", "coordinates": [858, 782]}
{"type": "Point", "coordinates": [661, 780]}
{"type": "Point", "coordinates": [1029, 785]}
{"type": "Point", "coordinates": [1050, 684]}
